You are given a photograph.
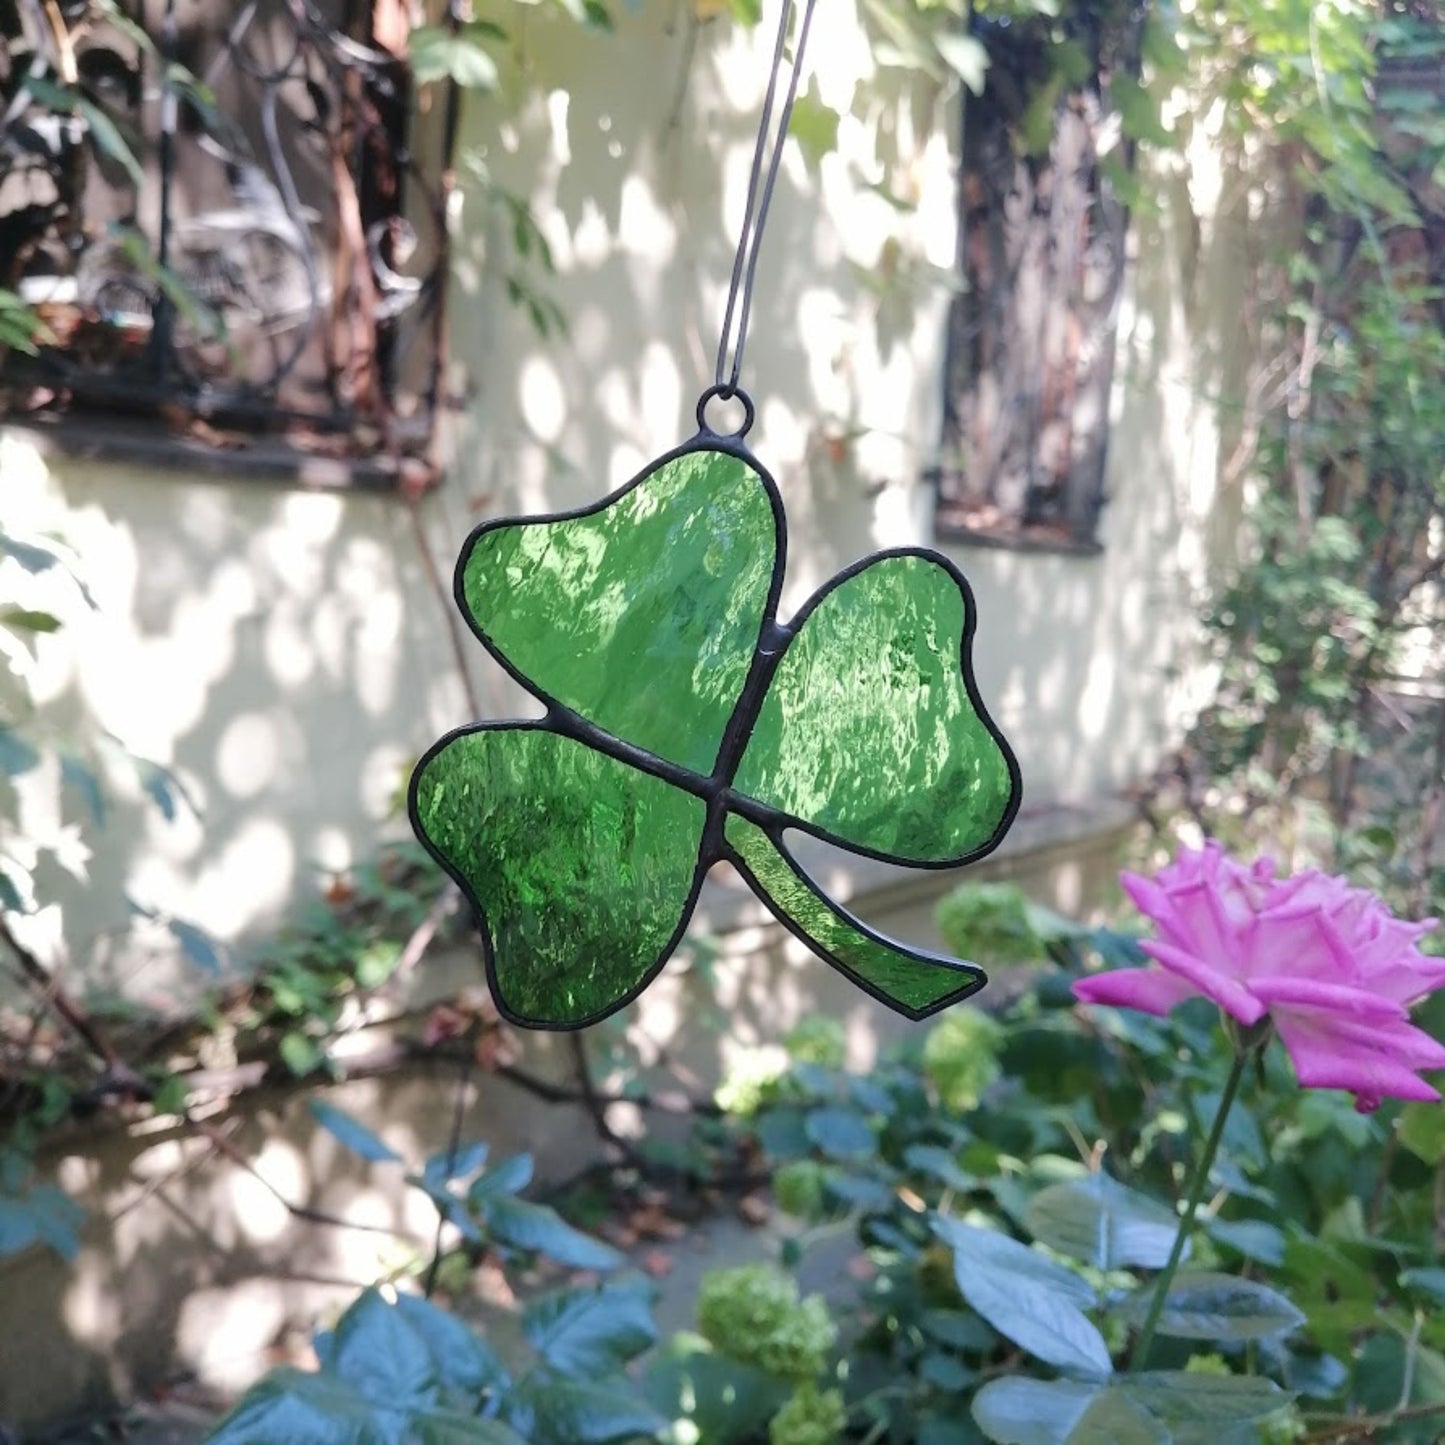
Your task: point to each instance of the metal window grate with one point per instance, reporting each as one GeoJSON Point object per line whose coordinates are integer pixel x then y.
{"type": "Point", "coordinates": [1043, 223]}
{"type": "Point", "coordinates": [233, 214]}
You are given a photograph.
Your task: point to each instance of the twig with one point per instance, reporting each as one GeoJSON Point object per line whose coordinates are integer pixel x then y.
{"type": "Point", "coordinates": [426, 930]}
{"type": "Point", "coordinates": [597, 1107]}
{"type": "Point", "coordinates": [449, 611]}
{"type": "Point", "coordinates": [459, 1110]}
{"type": "Point", "coordinates": [222, 1145]}
{"type": "Point", "coordinates": [65, 1008]}
{"type": "Point", "coordinates": [1363, 1426]}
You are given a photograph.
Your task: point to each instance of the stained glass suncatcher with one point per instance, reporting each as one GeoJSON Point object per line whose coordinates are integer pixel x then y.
{"type": "Point", "coordinates": [686, 725]}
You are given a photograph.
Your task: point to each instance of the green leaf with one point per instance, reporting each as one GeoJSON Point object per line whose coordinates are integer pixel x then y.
{"type": "Point", "coordinates": [1217, 1307]}
{"type": "Point", "coordinates": [1255, 1239]}
{"type": "Point", "coordinates": [522, 1225]}
{"type": "Point", "coordinates": [965, 57]}
{"type": "Point", "coordinates": [1428, 1281]}
{"type": "Point", "coordinates": [108, 140]}
{"type": "Point", "coordinates": [79, 777]}
{"type": "Point", "coordinates": [301, 1409]}
{"type": "Point", "coordinates": [552, 1411]}
{"type": "Point", "coordinates": [438, 53]}
{"type": "Point", "coordinates": [944, 1372]}
{"type": "Point", "coordinates": [160, 786]}
{"type": "Point", "coordinates": [591, 1333]}
{"type": "Point", "coordinates": [727, 1403]}
{"type": "Point", "coordinates": [1321, 1377]}
{"type": "Point", "coordinates": [376, 1350]}
{"type": "Point", "coordinates": [783, 1133]}
{"type": "Point", "coordinates": [814, 126]}
{"type": "Point", "coordinates": [172, 1096]}
{"type": "Point", "coordinates": [196, 945]}
{"type": "Point", "coordinates": [840, 1133]}
{"type": "Point", "coordinates": [17, 757]}
{"type": "Point", "coordinates": [959, 1330]}
{"type": "Point", "coordinates": [58, 1219]}
{"type": "Point", "coordinates": [352, 1133]}
{"type": "Point", "coordinates": [460, 1163]}
{"type": "Point", "coordinates": [1027, 1298]}
{"type": "Point", "coordinates": [1198, 1409]}
{"type": "Point", "coordinates": [936, 1162]}
{"type": "Point", "coordinates": [507, 1177]}
{"type": "Point", "coordinates": [1156, 1408]}
{"type": "Point", "coordinates": [858, 1191]}
{"type": "Point", "coordinates": [1421, 1129]}
{"type": "Point", "coordinates": [23, 619]}
{"type": "Point", "coordinates": [1016, 1411]}
{"type": "Point", "coordinates": [946, 1430]}
{"type": "Point", "coordinates": [1388, 1376]}
{"type": "Point", "coordinates": [11, 900]}
{"type": "Point", "coordinates": [462, 1361]}
{"type": "Point", "coordinates": [1102, 1223]}
{"type": "Point", "coordinates": [34, 559]}
{"type": "Point", "coordinates": [18, 1229]}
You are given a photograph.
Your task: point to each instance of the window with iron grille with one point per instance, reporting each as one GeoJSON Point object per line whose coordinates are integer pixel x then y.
{"type": "Point", "coordinates": [226, 217]}
{"type": "Point", "coordinates": [1045, 163]}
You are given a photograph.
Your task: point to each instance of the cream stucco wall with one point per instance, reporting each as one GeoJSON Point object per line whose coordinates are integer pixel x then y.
{"type": "Point", "coordinates": [284, 651]}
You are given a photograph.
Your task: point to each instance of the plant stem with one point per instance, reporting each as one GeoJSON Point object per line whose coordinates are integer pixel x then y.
{"type": "Point", "coordinates": [1196, 1192]}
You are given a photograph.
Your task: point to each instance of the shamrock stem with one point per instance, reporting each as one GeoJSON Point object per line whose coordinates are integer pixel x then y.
{"type": "Point", "coordinates": [1196, 1193]}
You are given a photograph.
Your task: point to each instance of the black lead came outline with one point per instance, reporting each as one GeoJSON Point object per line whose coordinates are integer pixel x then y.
{"type": "Point", "coordinates": [716, 789]}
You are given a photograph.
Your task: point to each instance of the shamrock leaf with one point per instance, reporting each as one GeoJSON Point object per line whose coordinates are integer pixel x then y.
{"type": "Point", "coordinates": [685, 725]}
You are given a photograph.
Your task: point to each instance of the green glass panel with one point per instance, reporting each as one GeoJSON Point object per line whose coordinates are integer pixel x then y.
{"type": "Point", "coordinates": [642, 615]}
{"type": "Point", "coordinates": [868, 731]}
{"type": "Point", "coordinates": [917, 983]}
{"type": "Point", "coordinates": [583, 867]}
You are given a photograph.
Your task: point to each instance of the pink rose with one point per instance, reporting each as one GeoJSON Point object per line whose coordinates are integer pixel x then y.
{"type": "Point", "coordinates": [1333, 968]}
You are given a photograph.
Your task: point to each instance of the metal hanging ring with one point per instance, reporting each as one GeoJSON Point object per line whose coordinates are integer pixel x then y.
{"type": "Point", "coordinates": [726, 393]}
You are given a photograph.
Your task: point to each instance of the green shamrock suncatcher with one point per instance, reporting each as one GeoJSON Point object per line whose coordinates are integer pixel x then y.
{"type": "Point", "coordinates": [686, 725]}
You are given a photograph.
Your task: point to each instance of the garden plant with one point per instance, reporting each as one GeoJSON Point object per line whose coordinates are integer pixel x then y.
{"type": "Point", "coordinates": [1190, 1196]}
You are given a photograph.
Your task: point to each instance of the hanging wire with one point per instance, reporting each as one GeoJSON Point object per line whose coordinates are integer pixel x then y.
{"type": "Point", "coordinates": [760, 197]}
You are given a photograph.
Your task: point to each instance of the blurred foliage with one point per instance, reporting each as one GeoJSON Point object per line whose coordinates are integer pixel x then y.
{"type": "Point", "coordinates": [999, 1258]}
{"type": "Point", "coordinates": [1327, 736]}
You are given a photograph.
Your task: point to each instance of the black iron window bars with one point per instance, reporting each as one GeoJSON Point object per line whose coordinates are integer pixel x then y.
{"type": "Point", "coordinates": [234, 212]}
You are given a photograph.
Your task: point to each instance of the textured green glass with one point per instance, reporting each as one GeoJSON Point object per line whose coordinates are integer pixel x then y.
{"type": "Point", "coordinates": [583, 866]}
{"type": "Point", "coordinates": [868, 730]}
{"type": "Point", "coordinates": [641, 616]}
{"type": "Point", "coordinates": [915, 982]}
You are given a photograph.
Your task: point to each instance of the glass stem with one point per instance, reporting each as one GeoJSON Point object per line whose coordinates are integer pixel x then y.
{"type": "Point", "coordinates": [1191, 1208]}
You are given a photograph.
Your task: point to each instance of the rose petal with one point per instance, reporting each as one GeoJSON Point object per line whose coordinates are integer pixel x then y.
{"type": "Point", "coordinates": [1323, 1061]}
{"type": "Point", "coordinates": [1205, 930]}
{"type": "Point", "coordinates": [1398, 1039]}
{"type": "Point", "coordinates": [1156, 905]}
{"type": "Point", "coordinates": [1231, 995]}
{"type": "Point", "coordinates": [1310, 993]}
{"type": "Point", "coordinates": [1409, 979]}
{"type": "Point", "coordinates": [1150, 990]}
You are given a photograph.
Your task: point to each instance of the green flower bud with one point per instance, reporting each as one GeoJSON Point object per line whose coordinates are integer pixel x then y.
{"type": "Point", "coordinates": [752, 1314]}
{"type": "Point", "coordinates": [811, 1417]}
